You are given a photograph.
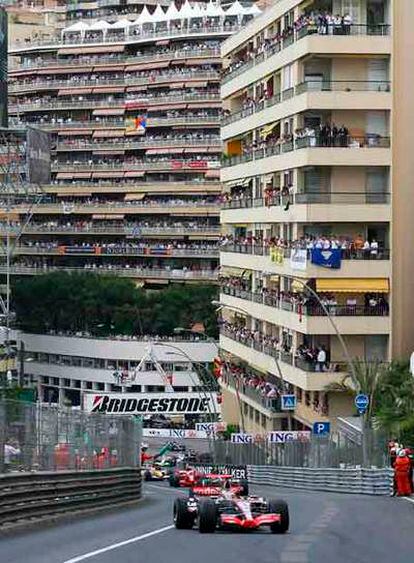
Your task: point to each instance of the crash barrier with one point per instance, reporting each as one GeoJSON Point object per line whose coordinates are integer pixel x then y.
{"type": "Point", "coordinates": [28, 497]}
{"type": "Point", "coordinates": [39, 437]}
{"type": "Point", "coordinates": [337, 480]}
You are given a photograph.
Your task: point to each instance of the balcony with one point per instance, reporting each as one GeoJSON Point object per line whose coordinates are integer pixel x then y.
{"type": "Point", "coordinates": [148, 102]}
{"type": "Point", "coordinates": [260, 63]}
{"type": "Point", "coordinates": [175, 54]}
{"type": "Point", "coordinates": [251, 396]}
{"type": "Point", "coordinates": [97, 250]}
{"type": "Point", "coordinates": [353, 265]}
{"type": "Point", "coordinates": [130, 232]}
{"type": "Point", "coordinates": [143, 37]}
{"type": "Point", "coordinates": [327, 95]}
{"type": "Point", "coordinates": [207, 142]}
{"type": "Point", "coordinates": [136, 273]}
{"type": "Point", "coordinates": [170, 165]}
{"type": "Point", "coordinates": [309, 319]}
{"type": "Point", "coordinates": [31, 86]}
{"type": "Point", "coordinates": [295, 371]}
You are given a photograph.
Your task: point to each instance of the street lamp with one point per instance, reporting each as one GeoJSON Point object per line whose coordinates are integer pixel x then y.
{"type": "Point", "coordinates": [185, 355]}
{"type": "Point", "coordinates": [279, 370]}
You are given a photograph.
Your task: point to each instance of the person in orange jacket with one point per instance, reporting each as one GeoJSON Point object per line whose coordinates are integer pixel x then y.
{"type": "Point", "coordinates": [402, 474]}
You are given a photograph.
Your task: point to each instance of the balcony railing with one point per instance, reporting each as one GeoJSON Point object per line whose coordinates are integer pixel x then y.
{"type": "Point", "coordinates": [309, 198]}
{"type": "Point", "coordinates": [122, 104]}
{"type": "Point", "coordinates": [271, 404]}
{"type": "Point", "coordinates": [97, 250]}
{"type": "Point", "coordinates": [131, 272]}
{"type": "Point", "coordinates": [121, 60]}
{"type": "Point", "coordinates": [115, 206]}
{"type": "Point", "coordinates": [142, 144]}
{"type": "Point", "coordinates": [145, 80]}
{"type": "Point", "coordinates": [130, 232]}
{"type": "Point", "coordinates": [285, 357]}
{"type": "Point", "coordinates": [309, 86]}
{"type": "Point", "coordinates": [261, 250]}
{"type": "Point", "coordinates": [191, 31]}
{"type": "Point", "coordinates": [355, 29]}
{"type": "Point", "coordinates": [306, 310]}
{"type": "Point", "coordinates": [348, 142]}
{"type": "Point", "coordinates": [172, 164]}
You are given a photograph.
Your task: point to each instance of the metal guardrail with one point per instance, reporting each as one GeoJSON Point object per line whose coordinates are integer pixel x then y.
{"type": "Point", "coordinates": [34, 496]}
{"type": "Point", "coordinates": [356, 481]}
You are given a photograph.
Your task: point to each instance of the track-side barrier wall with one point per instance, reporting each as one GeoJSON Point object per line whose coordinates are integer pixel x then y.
{"type": "Point", "coordinates": [357, 481]}
{"type": "Point", "coordinates": [28, 497]}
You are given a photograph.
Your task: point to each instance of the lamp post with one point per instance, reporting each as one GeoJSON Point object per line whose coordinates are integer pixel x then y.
{"type": "Point", "coordinates": [180, 330]}
{"type": "Point", "coordinates": [185, 355]}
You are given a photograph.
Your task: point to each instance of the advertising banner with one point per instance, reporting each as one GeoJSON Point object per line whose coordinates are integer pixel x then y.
{"type": "Point", "coordinates": [38, 156]}
{"type": "Point", "coordinates": [3, 68]}
{"type": "Point", "coordinates": [151, 403]}
{"type": "Point", "coordinates": [211, 427]}
{"type": "Point", "coordinates": [276, 255]}
{"type": "Point", "coordinates": [236, 471]}
{"type": "Point", "coordinates": [174, 433]}
{"type": "Point", "coordinates": [298, 259]}
{"type": "Point", "coordinates": [329, 258]}
{"type": "Point", "coordinates": [276, 437]}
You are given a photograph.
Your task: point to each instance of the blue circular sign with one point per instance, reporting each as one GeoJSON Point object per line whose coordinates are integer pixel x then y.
{"type": "Point", "coordinates": [362, 402]}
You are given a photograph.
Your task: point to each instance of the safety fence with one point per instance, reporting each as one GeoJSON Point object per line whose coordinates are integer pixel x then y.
{"type": "Point", "coordinates": [38, 437]}
{"type": "Point", "coordinates": [335, 451]}
{"type": "Point", "coordinates": [357, 481]}
{"type": "Point", "coordinates": [29, 497]}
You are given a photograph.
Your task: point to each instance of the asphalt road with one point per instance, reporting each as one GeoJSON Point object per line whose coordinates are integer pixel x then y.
{"type": "Point", "coordinates": [325, 528]}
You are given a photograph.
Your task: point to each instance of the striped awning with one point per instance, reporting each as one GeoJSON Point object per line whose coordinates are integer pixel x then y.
{"type": "Point", "coordinates": [353, 285]}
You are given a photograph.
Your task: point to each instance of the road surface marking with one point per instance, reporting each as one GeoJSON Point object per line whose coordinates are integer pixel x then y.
{"type": "Point", "coordinates": [409, 499]}
{"type": "Point", "coordinates": [117, 545]}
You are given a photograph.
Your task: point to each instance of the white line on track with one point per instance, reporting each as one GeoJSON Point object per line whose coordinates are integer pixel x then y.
{"type": "Point", "coordinates": [117, 545]}
{"type": "Point", "coordinates": [409, 499]}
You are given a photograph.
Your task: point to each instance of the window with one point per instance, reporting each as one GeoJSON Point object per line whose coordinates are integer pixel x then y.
{"type": "Point", "coordinates": [287, 77]}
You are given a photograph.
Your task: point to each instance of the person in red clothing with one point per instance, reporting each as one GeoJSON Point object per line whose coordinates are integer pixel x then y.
{"type": "Point", "coordinates": [402, 474]}
{"type": "Point", "coordinates": [145, 456]}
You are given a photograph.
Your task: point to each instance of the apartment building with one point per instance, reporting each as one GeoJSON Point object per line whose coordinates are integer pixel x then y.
{"type": "Point", "coordinates": [133, 107]}
{"type": "Point", "coordinates": [315, 266]}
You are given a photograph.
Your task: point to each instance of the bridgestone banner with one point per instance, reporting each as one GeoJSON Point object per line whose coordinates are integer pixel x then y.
{"type": "Point", "coordinates": [38, 156]}
{"type": "Point", "coordinates": [150, 403]}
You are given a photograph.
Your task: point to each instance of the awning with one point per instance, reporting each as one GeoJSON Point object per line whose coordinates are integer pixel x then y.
{"type": "Point", "coordinates": [353, 285]}
{"type": "Point", "coordinates": [148, 66]}
{"type": "Point", "coordinates": [239, 183]}
{"type": "Point", "coordinates": [136, 88]}
{"type": "Point", "coordinates": [210, 104]}
{"type": "Point", "coordinates": [88, 50]}
{"type": "Point", "coordinates": [109, 90]}
{"type": "Point", "coordinates": [64, 176]}
{"type": "Point", "coordinates": [267, 130]}
{"type": "Point", "coordinates": [158, 107]}
{"type": "Point", "coordinates": [108, 133]}
{"type": "Point", "coordinates": [107, 68]}
{"type": "Point", "coordinates": [66, 70]}
{"type": "Point", "coordinates": [162, 42]}
{"type": "Point", "coordinates": [75, 193]}
{"type": "Point", "coordinates": [134, 197]}
{"type": "Point", "coordinates": [134, 174]}
{"type": "Point", "coordinates": [177, 85]}
{"type": "Point", "coordinates": [74, 92]}
{"type": "Point", "coordinates": [115, 152]}
{"type": "Point", "coordinates": [107, 216]}
{"type": "Point", "coordinates": [199, 84]}
{"type": "Point", "coordinates": [212, 174]}
{"type": "Point", "coordinates": [75, 132]}
{"type": "Point", "coordinates": [85, 175]}
{"type": "Point", "coordinates": [106, 174]}
{"type": "Point", "coordinates": [109, 111]}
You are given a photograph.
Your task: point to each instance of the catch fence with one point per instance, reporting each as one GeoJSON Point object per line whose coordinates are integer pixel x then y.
{"type": "Point", "coordinates": [36, 437]}
{"type": "Point", "coordinates": [333, 452]}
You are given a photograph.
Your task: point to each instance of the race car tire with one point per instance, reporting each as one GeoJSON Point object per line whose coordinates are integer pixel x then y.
{"type": "Point", "coordinates": [183, 520]}
{"type": "Point", "coordinates": [244, 484]}
{"type": "Point", "coordinates": [207, 516]}
{"type": "Point", "coordinates": [279, 507]}
{"type": "Point", "coordinates": [174, 480]}
{"type": "Point", "coordinates": [147, 476]}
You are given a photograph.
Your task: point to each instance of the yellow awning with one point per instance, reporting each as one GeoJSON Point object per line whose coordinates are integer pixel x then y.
{"type": "Point", "coordinates": [267, 129]}
{"type": "Point", "coordinates": [353, 285]}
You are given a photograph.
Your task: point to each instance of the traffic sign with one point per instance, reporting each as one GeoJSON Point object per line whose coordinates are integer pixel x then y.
{"type": "Point", "coordinates": [321, 429]}
{"type": "Point", "coordinates": [288, 402]}
{"type": "Point", "coordinates": [361, 403]}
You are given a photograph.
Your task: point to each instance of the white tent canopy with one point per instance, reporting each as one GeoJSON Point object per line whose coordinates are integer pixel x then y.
{"type": "Point", "coordinates": [252, 10]}
{"type": "Point", "coordinates": [214, 10]}
{"type": "Point", "coordinates": [159, 15]}
{"type": "Point", "coordinates": [186, 11]}
{"type": "Point", "coordinates": [236, 9]}
{"type": "Point", "coordinates": [79, 26]}
{"type": "Point", "coordinates": [198, 11]}
{"type": "Point", "coordinates": [121, 24]}
{"type": "Point", "coordinates": [173, 13]}
{"type": "Point", "coordinates": [100, 25]}
{"type": "Point", "coordinates": [144, 17]}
